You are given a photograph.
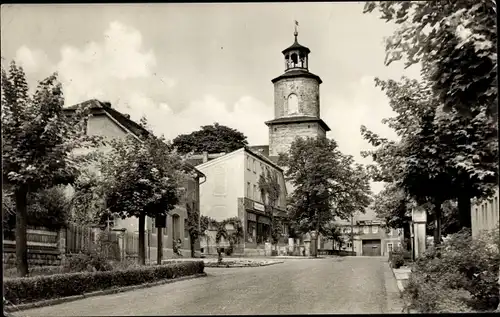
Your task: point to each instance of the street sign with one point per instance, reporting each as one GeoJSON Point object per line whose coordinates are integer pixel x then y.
{"type": "Point", "coordinates": [161, 221]}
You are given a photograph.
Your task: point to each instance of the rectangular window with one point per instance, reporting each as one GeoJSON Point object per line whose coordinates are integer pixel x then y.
{"type": "Point", "coordinates": [249, 193]}
{"type": "Point", "coordinates": [254, 166]}
{"type": "Point", "coordinates": [153, 225]}
{"type": "Point", "coordinates": [255, 193]}
{"type": "Point", "coordinates": [389, 247]}
{"type": "Point", "coordinates": [248, 162]}
{"type": "Point", "coordinates": [375, 229]}
{"type": "Point", "coordinates": [366, 229]}
{"type": "Point", "coordinates": [355, 229]}
{"type": "Point", "coordinates": [186, 231]}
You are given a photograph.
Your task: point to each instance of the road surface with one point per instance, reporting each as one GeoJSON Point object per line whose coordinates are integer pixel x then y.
{"type": "Point", "coordinates": [297, 286]}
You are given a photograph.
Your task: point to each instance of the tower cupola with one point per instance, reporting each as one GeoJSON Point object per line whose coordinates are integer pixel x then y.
{"type": "Point", "coordinates": [296, 56]}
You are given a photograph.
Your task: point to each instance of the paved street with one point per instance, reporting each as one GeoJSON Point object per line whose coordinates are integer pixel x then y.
{"type": "Point", "coordinates": [330, 285]}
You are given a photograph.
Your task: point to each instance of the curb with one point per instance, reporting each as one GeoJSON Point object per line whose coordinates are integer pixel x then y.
{"type": "Point", "coordinates": [55, 301]}
{"type": "Point", "coordinates": [394, 304]}
{"type": "Point", "coordinates": [240, 266]}
{"type": "Point", "coordinates": [401, 288]}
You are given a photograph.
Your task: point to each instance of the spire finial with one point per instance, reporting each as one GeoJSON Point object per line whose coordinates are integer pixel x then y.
{"type": "Point", "coordinates": [296, 33]}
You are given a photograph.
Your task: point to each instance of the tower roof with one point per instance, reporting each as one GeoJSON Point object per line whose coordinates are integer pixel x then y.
{"type": "Point", "coordinates": [297, 73]}
{"type": "Point", "coordinates": [296, 46]}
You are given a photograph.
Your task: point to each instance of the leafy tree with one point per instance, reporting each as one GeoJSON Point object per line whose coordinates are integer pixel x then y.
{"type": "Point", "coordinates": [270, 192]}
{"type": "Point", "coordinates": [142, 178]}
{"type": "Point", "coordinates": [87, 203]}
{"type": "Point", "coordinates": [326, 183]}
{"type": "Point", "coordinates": [38, 142]}
{"type": "Point", "coordinates": [334, 233]}
{"type": "Point", "coordinates": [193, 226]}
{"type": "Point", "coordinates": [214, 138]}
{"type": "Point", "coordinates": [440, 156]}
{"type": "Point", "coordinates": [456, 44]}
{"type": "Point", "coordinates": [233, 236]}
{"type": "Point", "coordinates": [393, 205]}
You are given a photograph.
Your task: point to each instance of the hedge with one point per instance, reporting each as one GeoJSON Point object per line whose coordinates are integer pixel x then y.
{"type": "Point", "coordinates": [36, 288]}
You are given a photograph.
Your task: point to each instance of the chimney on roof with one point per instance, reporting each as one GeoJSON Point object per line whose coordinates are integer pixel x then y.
{"type": "Point", "coordinates": [126, 115]}
{"type": "Point", "coordinates": [106, 104]}
{"type": "Point", "coordinates": [205, 156]}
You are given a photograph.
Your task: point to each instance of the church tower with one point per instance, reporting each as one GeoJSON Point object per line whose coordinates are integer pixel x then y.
{"type": "Point", "coordinates": [296, 102]}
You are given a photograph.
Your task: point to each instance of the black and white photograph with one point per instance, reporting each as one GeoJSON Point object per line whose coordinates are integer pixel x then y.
{"type": "Point", "coordinates": [250, 158]}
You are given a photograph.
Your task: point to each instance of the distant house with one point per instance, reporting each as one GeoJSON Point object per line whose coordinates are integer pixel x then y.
{"type": "Point", "coordinates": [232, 190]}
{"type": "Point", "coordinates": [110, 123]}
{"type": "Point", "coordinates": [370, 236]}
{"type": "Point", "coordinates": [485, 215]}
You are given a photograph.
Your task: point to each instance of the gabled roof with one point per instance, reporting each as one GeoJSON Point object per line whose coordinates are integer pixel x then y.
{"type": "Point", "coordinates": [261, 149]}
{"type": "Point", "coordinates": [243, 149]}
{"type": "Point", "coordinates": [123, 119]}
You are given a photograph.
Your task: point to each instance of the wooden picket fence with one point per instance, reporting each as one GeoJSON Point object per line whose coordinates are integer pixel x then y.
{"type": "Point", "coordinates": [131, 243]}
{"type": "Point", "coordinates": [79, 238]}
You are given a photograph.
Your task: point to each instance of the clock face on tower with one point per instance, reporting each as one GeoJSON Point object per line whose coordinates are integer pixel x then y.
{"type": "Point", "coordinates": [292, 105]}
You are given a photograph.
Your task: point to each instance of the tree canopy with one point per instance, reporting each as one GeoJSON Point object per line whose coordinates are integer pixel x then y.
{"type": "Point", "coordinates": [142, 178]}
{"type": "Point", "coordinates": [270, 191]}
{"type": "Point", "coordinates": [440, 155]}
{"type": "Point", "coordinates": [456, 44]}
{"type": "Point", "coordinates": [38, 143]}
{"type": "Point", "coordinates": [214, 138]}
{"type": "Point", "coordinates": [327, 183]}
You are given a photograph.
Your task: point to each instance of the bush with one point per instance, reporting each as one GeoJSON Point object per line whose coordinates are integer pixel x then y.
{"type": "Point", "coordinates": [86, 262]}
{"type": "Point", "coordinates": [31, 289]}
{"type": "Point", "coordinates": [397, 259]}
{"type": "Point", "coordinates": [461, 270]}
{"type": "Point", "coordinates": [229, 250]}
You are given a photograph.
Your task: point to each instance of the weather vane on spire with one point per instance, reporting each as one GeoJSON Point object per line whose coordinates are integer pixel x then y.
{"type": "Point", "coordinates": [296, 32]}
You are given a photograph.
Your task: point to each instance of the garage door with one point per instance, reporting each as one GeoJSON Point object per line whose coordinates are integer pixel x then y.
{"type": "Point", "coordinates": [372, 248]}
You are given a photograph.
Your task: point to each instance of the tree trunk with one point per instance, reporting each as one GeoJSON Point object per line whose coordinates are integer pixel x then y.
{"type": "Point", "coordinates": [464, 206]}
{"type": "Point", "coordinates": [498, 306]}
{"type": "Point", "coordinates": [21, 196]}
{"type": "Point", "coordinates": [159, 246]}
{"type": "Point", "coordinates": [142, 249]}
{"type": "Point", "coordinates": [191, 242]}
{"type": "Point", "coordinates": [437, 224]}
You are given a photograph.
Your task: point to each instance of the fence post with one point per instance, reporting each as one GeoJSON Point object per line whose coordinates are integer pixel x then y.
{"type": "Point", "coordinates": [62, 244]}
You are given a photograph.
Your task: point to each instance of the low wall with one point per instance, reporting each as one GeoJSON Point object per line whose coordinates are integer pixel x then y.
{"type": "Point", "coordinates": [39, 254]}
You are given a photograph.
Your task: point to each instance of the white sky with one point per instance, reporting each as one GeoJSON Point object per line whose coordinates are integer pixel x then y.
{"type": "Point", "coordinates": [186, 65]}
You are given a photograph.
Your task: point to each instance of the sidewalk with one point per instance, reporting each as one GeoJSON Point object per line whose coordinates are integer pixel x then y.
{"type": "Point", "coordinates": [402, 275]}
